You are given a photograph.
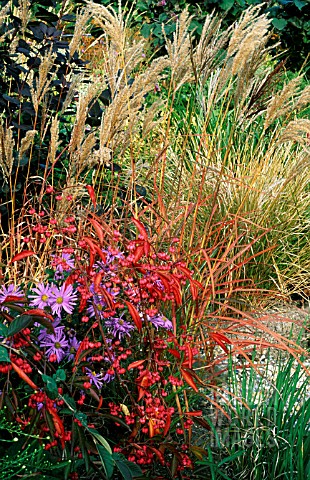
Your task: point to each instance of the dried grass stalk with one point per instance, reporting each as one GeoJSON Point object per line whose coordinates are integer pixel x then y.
{"type": "Point", "coordinates": [80, 28]}
{"type": "Point", "coordinates": [6, 151]}
{"type": "Point", "coordinates": [179, 51]}
{"type": "Point", "coordinates": [26, 142]}
{"type": "Point", "coordinates": [297, 131]}
{"type": "Point", "coordinates": [282, 103]}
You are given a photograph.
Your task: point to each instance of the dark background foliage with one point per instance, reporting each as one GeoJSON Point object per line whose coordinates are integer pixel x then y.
{"type": "Point", "coordinates": [290, 19]}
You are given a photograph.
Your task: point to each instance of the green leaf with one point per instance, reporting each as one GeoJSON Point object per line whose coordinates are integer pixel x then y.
{"type": "Point", "coordinates": [82, 417]}
{"type": "Point", "coordinates": [146, 30]}
{"type": "Point", "coordinates": [19, 324]}
{"type": "Point", "coordinates": [126, 473]}
{"type": "Point", "coordinates": [45, 323]}
{"type": "Point", "coordinates": [106, 460]}
{"type": "Point", "coordinates": [69, 401]}
{"type": "Point", "coordinates": [127, 466]}
{"type": "Point", "coordinates": [60, 375]}
{"type": "Point", "coordinates": [279, 23]}
{"type": "Point", "coordinates": [4, 356]}
{"type": "Point", "coordinates": [300, 4]}
{"type": "Point", "coordinates": [100, 439]}
{"type": "Point", "coordinates": [51, 386]}
{"type": "Point", "coordinates": [3, 330]}
{"type": "Point", "coordinates": [226, 4]}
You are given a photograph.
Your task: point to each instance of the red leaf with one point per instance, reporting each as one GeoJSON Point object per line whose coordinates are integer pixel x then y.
{"type": "Point", "coordinates": [101, 254]}
{"type": "Point", "coordinates": [167, 425]}
{"type": "Point", "coordinates": [140, 228]}
{"type": "Point", "coordinates": [189, 359]}
{"type": "Point", "coordinates": [24, 376]}
{"type": "Point", "coordinates": [21, 255]}
{"type": "Point", "coordinates": [144, 384]}
{"type": "Point", "coordinates": [165, 281]}
{"type": "Point", "coordinates": [100, 403]}
{"type": "Point", "coordinates": [98, 228]}
{"type": "Point", "coordinates": [135, 315]}
{"type": "Point", "coordinates": [108, 298]}
{"type": "Point", "coordinates": [37, 312]}
{"type": "Point", "coordinates": [176, 290]}
{"type": "Point", "coordinates": [59, 427]}
{"type": "Point", "coordinates": [146, 247]}
{"type": "Point", "coordinates": [175, 353]}
{"type": "Point", "coordinates": [91, 193]}
{"type": "Point", "coordinates": [220, 339]}
{"type": "Point", "coordinates": [14, 298]}
{"type": "Point", "coordinates": [97, 281]}
{"type": "Point", "coordinates": [139, 252]}
{"type": "Point", "coordinates": [189, 379]}
{"type": "Point", "coordinates": [90, 243]}
{"type": "Point", "coordinates": [135, 364]}
{"type": "Point", "coordinates": [151, 428]}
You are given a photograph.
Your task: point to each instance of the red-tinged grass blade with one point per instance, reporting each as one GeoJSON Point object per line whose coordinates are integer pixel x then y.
{"type": "Point", "coordinates": [24, 376]}
{"type": "Point", "coordinates": [135, 364]}
{"type": "Point", "coordinates": [21, 255]}
{"type": "Point", "coordinates": [134, 314]}
{"type": "Point", "coordinates": [189, 379]}
{"type": "Point", "coordinates": [197, 413]}
{"type": "Point", "coordinates": [91, 193]}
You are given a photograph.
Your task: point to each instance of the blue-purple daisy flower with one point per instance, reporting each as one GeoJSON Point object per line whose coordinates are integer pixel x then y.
{"type": "Point", "coordinates": [64, 263]}
{"type": "Point", "coordinates": [160, 321]}
{"type": "Point", "coordinates": [95, 378]}
{"type": "Point", "coordinates": [72, 348]}
{"type": "Point", "coordinates": [119, 327]}
{"type": "Point", "coordinates": [56, 342]}
{"type": "Point", "coordinates": [42, 296]}
{"type": "Point", "coordinates": [10, 290]}
{"type": "Point", "coordinates": [63, 298]}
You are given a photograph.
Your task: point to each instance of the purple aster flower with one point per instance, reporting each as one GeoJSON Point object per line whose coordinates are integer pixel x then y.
{"type": "Point", "coordinates": [56, 342]}
{"type": "Point", "coordinates": [96, 304]}
{"type": "Point", "coordinates": [119, 327]}
{"type": "Point", "coordinates": [94, 378]}
{"type": "Point", "coordinates": [10, 290]}
{"type": "Point", "coordinates": [42, 296]}
{"type": "Point", "coordinates": [160, 321]}
{"type": "Point", "coordinates": [107, 378]}
{"type": "Point", "coordinates": [110, 257]}
{"type": "Point", "coordinates": [63, 263]}
{"type": "Point", "coordinates": [72, 348]}
{"type": "Point", "coordinates": [63, 297]}
{"type": "Point", "coordinates": [43, 333]}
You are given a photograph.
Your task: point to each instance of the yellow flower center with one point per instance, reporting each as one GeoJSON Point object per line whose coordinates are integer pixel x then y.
{"type": "Point", "coordinates": [44, 297]}
{"type": "Point", "coordinates": [59, 300]}
{"type": "Point", "coordinates": [57, 345]}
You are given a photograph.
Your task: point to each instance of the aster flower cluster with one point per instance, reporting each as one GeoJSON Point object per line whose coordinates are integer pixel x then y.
{"type": "Point", "coordinates": [99, 319]}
